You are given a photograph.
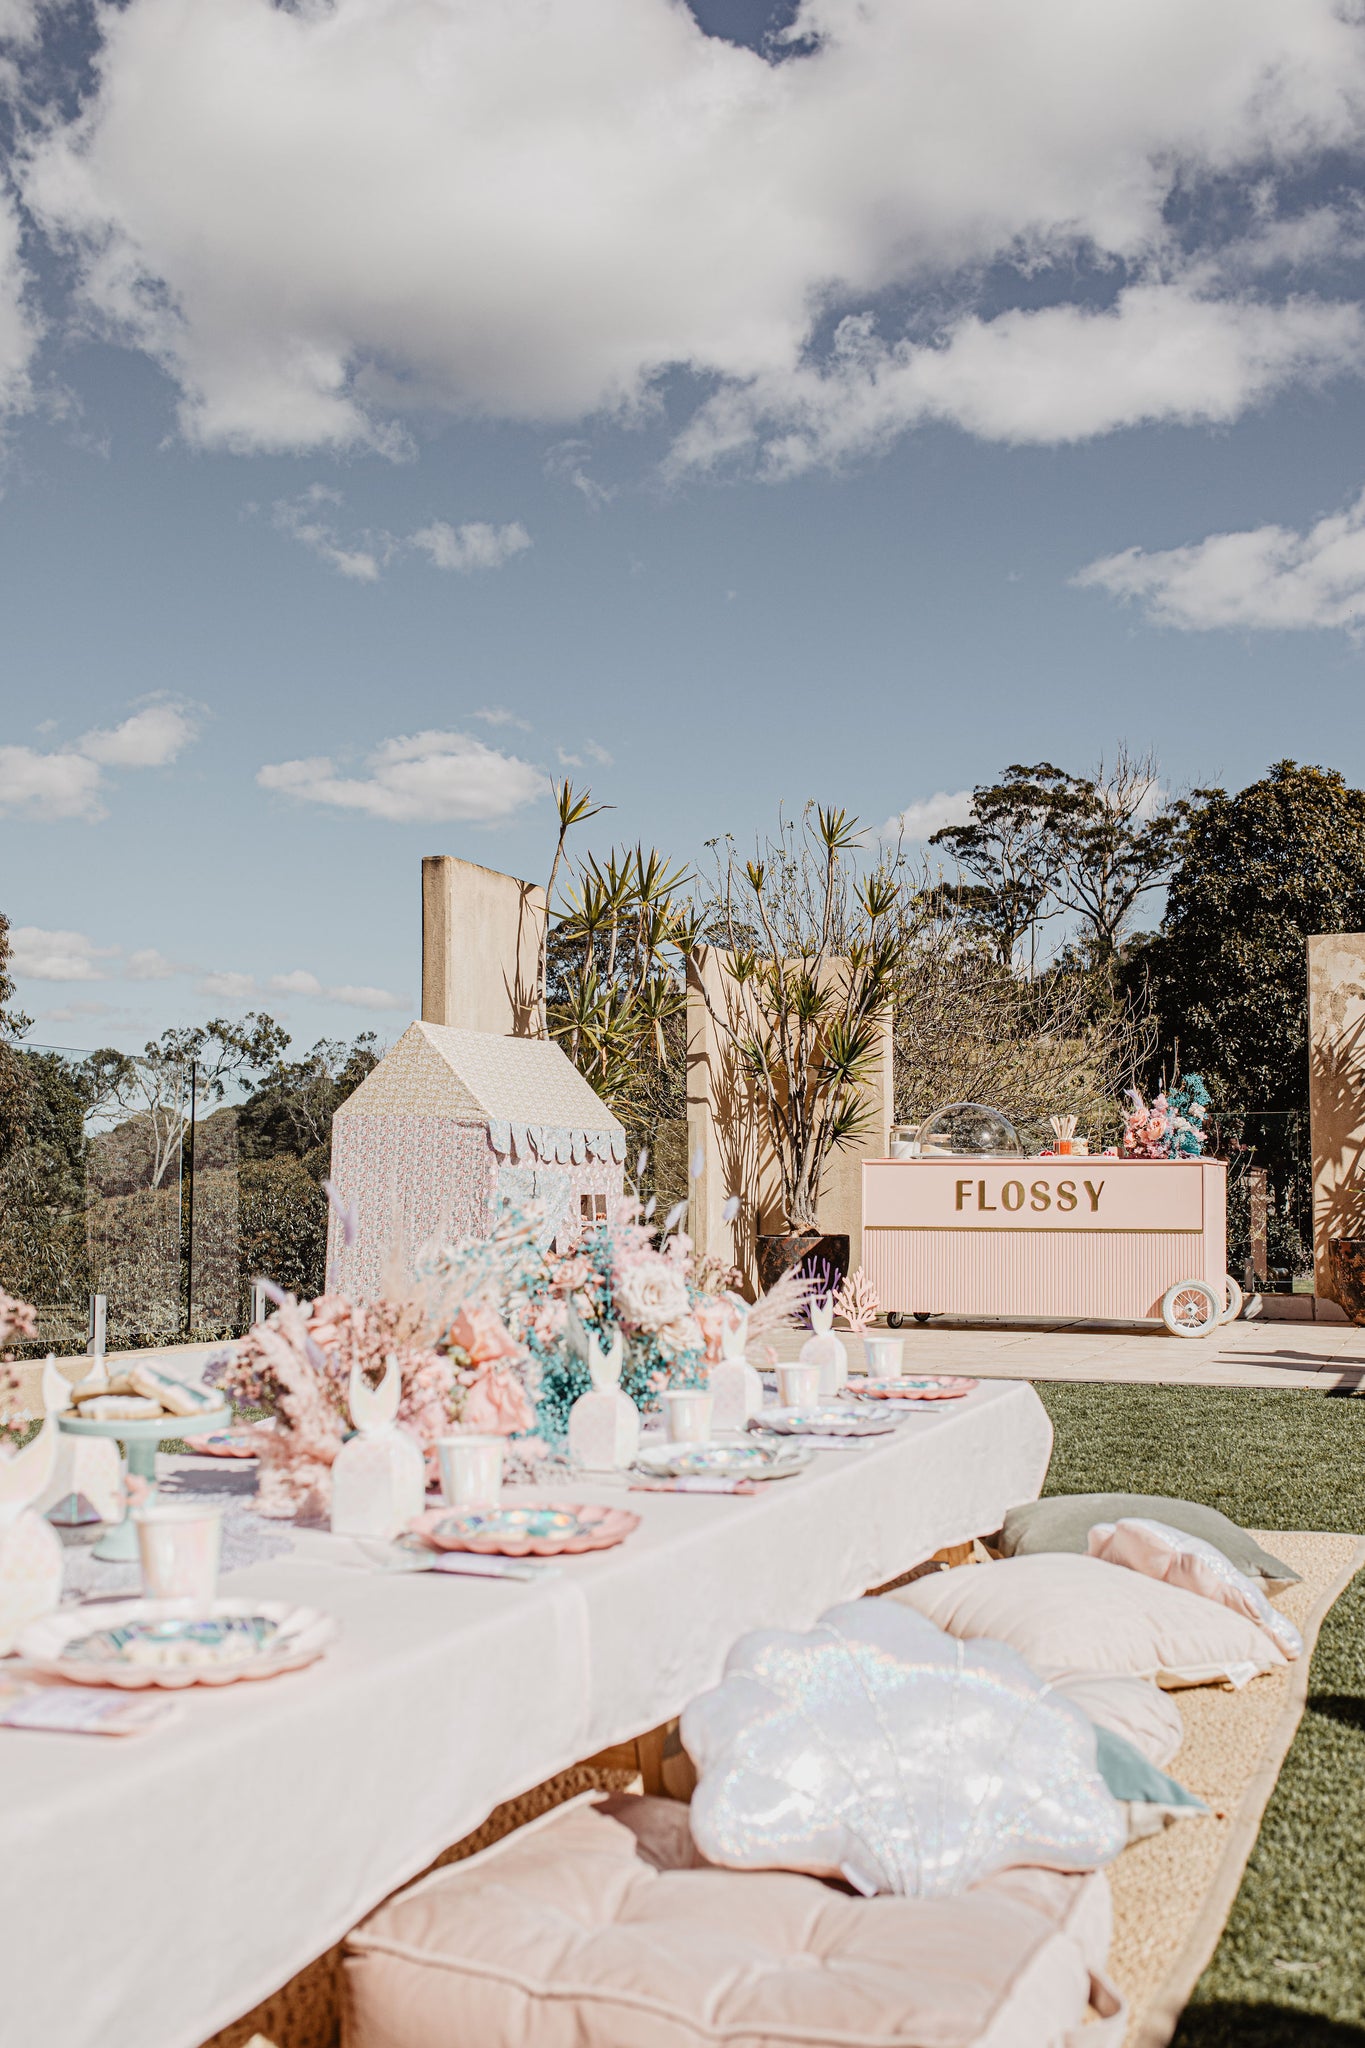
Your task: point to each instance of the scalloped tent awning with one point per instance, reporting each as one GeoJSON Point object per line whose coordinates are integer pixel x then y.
{"type": "Point", "coordinates": [526, 1092]}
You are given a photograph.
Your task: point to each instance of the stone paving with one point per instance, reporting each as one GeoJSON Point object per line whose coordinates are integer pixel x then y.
{"type": "Point", "coordinates": [1322, 1357]}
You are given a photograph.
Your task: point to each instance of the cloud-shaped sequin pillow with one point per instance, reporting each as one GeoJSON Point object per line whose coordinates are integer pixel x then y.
{"type": "Point", "coordinates": [876, 1748]}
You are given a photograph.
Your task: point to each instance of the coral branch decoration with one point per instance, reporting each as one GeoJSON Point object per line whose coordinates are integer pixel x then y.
{"type": "Point", "coordinates": [857, 1301]}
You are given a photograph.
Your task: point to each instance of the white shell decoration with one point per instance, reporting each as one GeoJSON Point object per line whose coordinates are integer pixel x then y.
{"type": "Point", "coordinates": [1161, 1552]}
{"type": "Point", "coordinates": [379, 1479]}
{"type": "Point", "coordinates": [894, 1756]}
{"type": "Point", "coordinates": [736, 1389]}
{"type": "Point", "coordinates": [826, 1350]}
{"type": "Point", "coordinates": [604, 1424]}
{"type": "Point", "coordinates": [30, 1551]}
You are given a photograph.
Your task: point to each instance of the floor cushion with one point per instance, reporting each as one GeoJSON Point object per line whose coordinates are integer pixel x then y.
{"type": "Point", "coordinates": [1134, 1708]}
{"type": "Point", "coordinates": [1179, 1559]}
{"type": "Point", "coordinates": [1149, 1797]}
{"type": "Point", "coordinates": [565, 1933]}
{"type": "Point", "coordinates": [1064, 1520]}
{"type": "Point", "coordinates": [1073, 1617]}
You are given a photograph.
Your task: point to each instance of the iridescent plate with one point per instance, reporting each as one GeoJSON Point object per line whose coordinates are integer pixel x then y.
{"type": "Point", "coordinates": [745, 1458]}
{"type": "Point", "coordinates": [910, 1387]}
{"type": "Point", "coordinates": [144, 1642]}
{"type": "Point", "coordinates": [529, 1529]}
{"type": "Point", "coordinates": [831, 1419]}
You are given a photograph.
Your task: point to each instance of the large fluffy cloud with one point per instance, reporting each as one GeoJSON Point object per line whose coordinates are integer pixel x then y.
{"type": "Point", "coordinates": [69, 782]}
{"type": "Point", "coordinates": [316, 216]}
{"type": "Point", "coordinates": [424, 778]}
{"type": "Point", "coordinates": [1266, 577]}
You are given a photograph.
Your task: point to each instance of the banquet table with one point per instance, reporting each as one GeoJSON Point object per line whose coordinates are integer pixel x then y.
{"type": "Point", "coordinates": [155, 1887]}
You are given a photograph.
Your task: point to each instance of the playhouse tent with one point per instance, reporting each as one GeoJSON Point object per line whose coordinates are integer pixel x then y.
{"type": "Point", "coordinates": [449, 1126]}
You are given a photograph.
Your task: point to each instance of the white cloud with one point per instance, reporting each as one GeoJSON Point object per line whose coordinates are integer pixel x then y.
{"type": "Point", "coordinates": [363, 998]}
{"type": "Point", "coordinates": [1268, 577]}
{"type": "Point", "coordinates": [300, 982]}
{"type": "Point", "coordinates": [476, 545]}
{"type": "Point", "coordinates": [18, 20]}
{"type": "Point", "coordinates": [303, 519]}
{"type": "Point", "coordinates": [535, 210]}
{"type": "Point", "coordinates": [492, 717]}
{"type": "Point", "coordinates": [1163, 351]}
{"type": "Point", "coordinates": [311, 520]}
{"type": "Point", "coordinates": [149, 739]}
{"type": "Point", "coordinates": [227, 986]}
{"type": "Point", "coordinates": [38, 955]}
{"type": "Point", "coordinates": [919, 821]}
{"type": "Point", "coordinates": [146, 964]}
{"type": "Point", "coordinates": [429, 777]}
{"type": "Point", "coordinates": [69, 783]}
{"type": "Point", "coordinates": [599, 754]}
{"type": "Point", "coordinates": [20, 326]}
{"type": "Point", "coordinates": [49, 786]}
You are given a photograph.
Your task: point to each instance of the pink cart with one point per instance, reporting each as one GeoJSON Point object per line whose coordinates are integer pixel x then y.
{"type": "Point", "coordinates": [1123, 1240]}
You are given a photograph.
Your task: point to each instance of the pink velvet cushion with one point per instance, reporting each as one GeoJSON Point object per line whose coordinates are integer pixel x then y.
{"type": "Point", "coordinates": [566, 1934]}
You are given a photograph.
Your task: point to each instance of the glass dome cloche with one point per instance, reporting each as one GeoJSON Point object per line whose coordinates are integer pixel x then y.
{"type": "Point", "coordinates": [968, 1130]}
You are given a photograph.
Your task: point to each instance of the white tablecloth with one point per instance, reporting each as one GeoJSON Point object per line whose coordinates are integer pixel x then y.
{"type": "Point", "coordinates": [154, 1888]}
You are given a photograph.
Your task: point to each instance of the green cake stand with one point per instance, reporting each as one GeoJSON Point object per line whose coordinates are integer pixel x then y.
{"type": "Point", "coordinates": [141, 1441]}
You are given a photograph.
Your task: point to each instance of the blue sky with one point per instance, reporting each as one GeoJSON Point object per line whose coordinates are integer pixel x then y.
{"type": "Point", "coordinates": [408, 401]}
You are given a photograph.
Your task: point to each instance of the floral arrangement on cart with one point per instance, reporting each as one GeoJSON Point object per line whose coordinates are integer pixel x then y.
{"type": "Point", "coordinates": [1171, 1126]}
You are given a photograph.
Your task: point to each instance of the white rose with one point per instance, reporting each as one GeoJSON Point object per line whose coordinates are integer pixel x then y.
{"type": "Point", "coordinates": [682, 1335]}
{"type": "Point", "coordinates": [649, 1293]}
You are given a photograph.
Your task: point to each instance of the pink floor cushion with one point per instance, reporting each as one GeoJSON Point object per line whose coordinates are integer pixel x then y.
{"type": "Point", "coordinates": [1178, 1559]}
{"type": "Point", "coordinates": [1080, 1617]}
{"type": "Point", "coordinates": [597, 1925]}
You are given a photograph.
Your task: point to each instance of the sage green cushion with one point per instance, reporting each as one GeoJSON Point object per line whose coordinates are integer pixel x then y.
{"type": "Point", "coordinates": [1064, 1520]}
{"type": "Point", "coordinates": [1128, 1775]}
{"type": "Point", "coordinates": [1150, 1800]}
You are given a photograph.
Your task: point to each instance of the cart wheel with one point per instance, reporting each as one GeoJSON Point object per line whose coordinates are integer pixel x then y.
{"type": "Point", "coordinates": [1191, 1309]}
{"type": "Point", "coordinates": [1236, 1300]}
{"type": "Point", "coordinates": [894, 1319]}
{"type": "Point", "coordinates": [922, 1315]}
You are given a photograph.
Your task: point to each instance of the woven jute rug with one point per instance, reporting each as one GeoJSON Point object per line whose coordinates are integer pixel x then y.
{"type": "Point", "coordinates": [1173, 1892]}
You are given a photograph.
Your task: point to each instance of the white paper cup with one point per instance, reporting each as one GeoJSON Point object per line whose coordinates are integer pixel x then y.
{"type": "Point", "coordinates": [799, 1387]}
{"type": "Point", "coordinates": [885, 1356]}
{"type": "Point", "coordinates": [687, 1414]}
{"type": "Point", "coordinates": [471, 1469]}
{"type": "Point", "coordinates": [178, 1543]}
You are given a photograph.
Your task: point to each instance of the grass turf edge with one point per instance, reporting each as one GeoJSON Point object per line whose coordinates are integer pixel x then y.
{"type": "Point", "coordinates": [1287, 1972]}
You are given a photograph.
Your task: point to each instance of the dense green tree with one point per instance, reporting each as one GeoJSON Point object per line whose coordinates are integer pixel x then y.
{"type": "Point", "coordinates": [282, 1225]}
{"type": "Point", "coordinates": [1257, 873]}
{"type": "Point", "coordinates": [290, 1113]}
{"type": "Point", "coordinates": [1043, 841]}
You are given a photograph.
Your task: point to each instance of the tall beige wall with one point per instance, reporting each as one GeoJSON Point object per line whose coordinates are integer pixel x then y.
{"type": "Point", "coordinates": [480, 947]}
{"type": "Point", "coordinates": [1336, 1093]}
{"type": "Point", "coordinates": [727, 1128]}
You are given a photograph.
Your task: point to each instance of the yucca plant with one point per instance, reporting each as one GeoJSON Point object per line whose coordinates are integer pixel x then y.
{"type": "Point", "coordinates": [809, 976]}
{"type": "Point", "coordinates": [614, 962]}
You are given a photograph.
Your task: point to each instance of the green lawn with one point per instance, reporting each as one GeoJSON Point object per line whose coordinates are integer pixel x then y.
{"type": "Point", "coordinates": [1290, 1969]}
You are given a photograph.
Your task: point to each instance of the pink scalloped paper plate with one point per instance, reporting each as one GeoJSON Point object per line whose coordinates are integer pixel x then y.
{"type": "Point", "coordinates": [528, 1529]}
{"type": "Point", "coordinates": [119, 1644]}
{"type": "Point", "coordinates": [910, 1387]}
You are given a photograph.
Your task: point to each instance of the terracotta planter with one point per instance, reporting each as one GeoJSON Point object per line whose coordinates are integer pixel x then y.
{"type": "Point", "coordinates": [1348, 1271]}
{"type": "Point", "coordinates": [777, 1255]}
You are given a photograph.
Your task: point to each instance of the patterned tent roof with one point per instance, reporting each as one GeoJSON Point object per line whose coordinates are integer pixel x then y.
{"type": "Point", "coordinates": [479, 1077]}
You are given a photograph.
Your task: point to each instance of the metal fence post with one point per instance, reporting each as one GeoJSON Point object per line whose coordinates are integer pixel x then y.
{"type": "Point", "coordinates": [96, 1326]}
{"type": "Point", "coordinates": [189, 1209]}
